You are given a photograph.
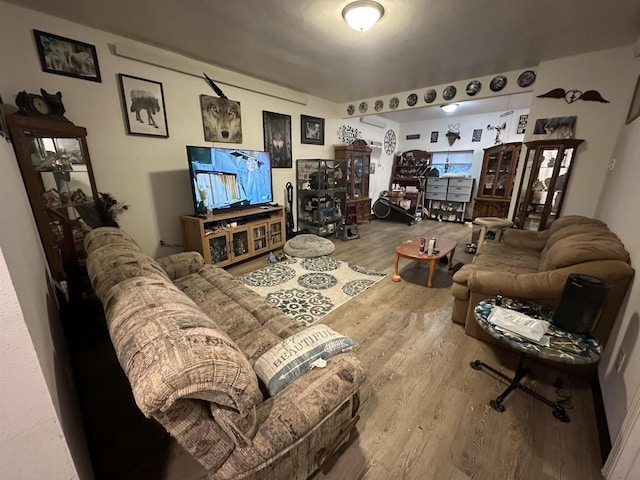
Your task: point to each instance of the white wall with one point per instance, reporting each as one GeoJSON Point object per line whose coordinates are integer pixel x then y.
{"type": "Point", "coordinates": [617, 206]}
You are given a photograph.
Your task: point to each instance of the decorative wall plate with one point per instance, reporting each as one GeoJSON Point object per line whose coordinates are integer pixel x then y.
{"type": "Point", "coordinates": [526, 78]}
{"type": "Point", "coordinates": [351, 109]}
{"type": "Point", "coordinates": [393, 103]}
{"type": "Point", "coordinates": [412, 99]}
{"type": "Point", "coordinates": [379, 105]}
{"type": "Point", "coordinates": [389, 142]}
{"type": "Point", "coordinates": [430, 95]}
{"type": "Point", "coordinates": [363, 107]}
{"type": "Point", "coordinates": [498, 83]}
{"type": "Point", "coordinates": [449, 92]}
{"type": "Point", "coordinates": [473, 87]}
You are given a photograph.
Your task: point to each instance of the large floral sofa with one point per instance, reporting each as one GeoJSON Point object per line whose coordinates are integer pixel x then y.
{"type": "Point", "coordinates": [188, 335]}
{"type": "Point", "coordinates": [534, 266]}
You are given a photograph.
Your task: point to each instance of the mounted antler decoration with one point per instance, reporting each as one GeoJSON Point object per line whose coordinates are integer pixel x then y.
{"type": "Point", "coordinates": [498, 128]}
{"type": "Point", "coordinates": [453, 134]}
{"type": "Point", "coordinates": [215, 87]}
{"type": "Point", "coordinates": [574, 95]}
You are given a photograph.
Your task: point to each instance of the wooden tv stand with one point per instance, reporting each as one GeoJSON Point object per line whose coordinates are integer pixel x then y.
{"type": "Point", "coordinates": [257, 230]}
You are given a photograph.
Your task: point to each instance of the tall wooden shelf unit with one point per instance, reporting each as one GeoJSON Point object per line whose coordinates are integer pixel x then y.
{"type": "Point", "coordinates": [496, 180]}
{"type": "Point", "coordinates": [54, 162]}
{"type": "Point", "coordinates": [257, 230]}
{"type": "Point", "coordinates": [544, 181]}
{"type": "Point", "coordinates": [358, 157]}
{"type": "Point", "coordinates": [404, 172]}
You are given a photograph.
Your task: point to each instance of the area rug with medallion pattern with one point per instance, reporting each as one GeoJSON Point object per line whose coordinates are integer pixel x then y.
{"type": "Point", "coordinates": [309, 288]}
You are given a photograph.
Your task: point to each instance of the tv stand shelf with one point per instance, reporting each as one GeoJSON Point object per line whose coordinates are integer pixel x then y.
{"type": "Point", "coordinates": [255, 230]}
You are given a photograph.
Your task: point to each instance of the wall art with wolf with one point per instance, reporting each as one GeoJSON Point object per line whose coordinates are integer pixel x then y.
{"type": "Point", "coordinates": [277, 138]}
{"type": "Point", "coordinates": [221, 119]}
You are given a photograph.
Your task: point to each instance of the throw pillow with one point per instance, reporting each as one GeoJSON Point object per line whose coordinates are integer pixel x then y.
{"type": "Point", "coordinates": [298, 354]}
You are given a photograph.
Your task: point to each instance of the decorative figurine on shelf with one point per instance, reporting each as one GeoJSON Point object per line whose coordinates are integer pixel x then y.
{"type": "Point", "coordinates": [51, 198]}
{"type": "Point", "coordinates": [271, 258]}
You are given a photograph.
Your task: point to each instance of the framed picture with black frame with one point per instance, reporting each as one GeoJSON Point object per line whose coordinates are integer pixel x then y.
{"type": "Point", "coordinates": [277, 138]}
{"type": "Point", "coordinates": [144, 107]}
{"type": "Point", "coordinates": [65, 56]}
{"type": "Point", "coordinates": [311, 130]}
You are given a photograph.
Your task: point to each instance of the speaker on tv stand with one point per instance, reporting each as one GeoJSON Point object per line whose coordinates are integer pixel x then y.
{"type": "Point", "coordinates": [580, 303]}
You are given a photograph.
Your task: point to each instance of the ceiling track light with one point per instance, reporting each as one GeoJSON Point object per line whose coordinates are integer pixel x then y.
{"type": "Point", "coordinates": [361, 15]}
{"type": "Point", "coordinates": [450, 107]}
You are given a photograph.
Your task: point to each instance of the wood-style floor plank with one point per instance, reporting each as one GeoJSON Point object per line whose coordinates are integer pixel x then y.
{"type": "Point", "coordinates": [424, 410]}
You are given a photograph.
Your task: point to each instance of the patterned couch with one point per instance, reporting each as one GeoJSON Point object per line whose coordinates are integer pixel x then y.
{"type": "Point", "coordinates": [534, 266]}
{"type": "Point", "coordinates": [187, 336]}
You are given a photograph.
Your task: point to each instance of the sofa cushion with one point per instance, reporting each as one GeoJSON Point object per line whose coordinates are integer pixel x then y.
{"type": "Point", "coordinates": [582, 248]}
{"type": "Point", "coordinates": [109, 266]}
{"type": "Point", "coordinates": [250, 321]}
{"type": "Point", "coordinates": [571, 230]}
{"type": "Point", "coordinates": [298, 354]}
{"type": "Point", "coordinates": [109, 236]}
{"type": "Point", "coordinates": [180, 264]}
{"type": "Point", "coordinates": [170, 350]}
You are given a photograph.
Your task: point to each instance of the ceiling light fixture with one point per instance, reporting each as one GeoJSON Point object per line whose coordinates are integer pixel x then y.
{"type": "Point", "coordinates": [361, 15]}
{"type": "Point", "coordinates": [449, 107]}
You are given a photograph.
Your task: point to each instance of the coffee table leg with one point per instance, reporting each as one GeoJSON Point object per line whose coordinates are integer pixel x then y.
{"type": "Point", "coordinates": [395, 277]}
{"type": "Point", "coordinates": [453, 250]}
{"type": "Point", "coordinates": [432, 268]}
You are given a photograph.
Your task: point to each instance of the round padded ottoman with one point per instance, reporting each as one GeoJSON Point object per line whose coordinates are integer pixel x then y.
{"type": "Point", "coordinates": [308, 245]}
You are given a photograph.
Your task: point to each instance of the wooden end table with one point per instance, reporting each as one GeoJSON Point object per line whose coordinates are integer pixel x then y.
{"type": "Point", "coordinates": [411, 249]}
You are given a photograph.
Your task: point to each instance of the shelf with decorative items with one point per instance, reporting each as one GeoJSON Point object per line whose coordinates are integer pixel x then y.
{"type": "Point", "coordinates": [497, 178]}
{"type": "Point", "coordinates": [406, 171]}
{"type": "Point", "coordinates": [544, 181]}
{"type": "Point", "coordinates": [226, 237]}
{"type": "Point", "coordinates": [322, 194]}
{"type": "Point", "coordinates": [358, 160]}
{"type": "Point", "coordinates": [54, 161]}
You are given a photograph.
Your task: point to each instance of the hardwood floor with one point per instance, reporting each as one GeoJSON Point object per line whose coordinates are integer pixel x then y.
{"type": "Point", "coordinates": [424, 411]}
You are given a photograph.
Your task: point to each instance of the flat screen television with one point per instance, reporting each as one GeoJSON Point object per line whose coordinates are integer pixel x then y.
{"type": "Point", "coordinates": [229, 177]}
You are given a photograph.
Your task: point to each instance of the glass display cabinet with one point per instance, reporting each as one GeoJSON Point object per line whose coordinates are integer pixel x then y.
{"type": "Point", "coordinates": [54, 162]}
{"type": "Point", "coordinates": [322, 194]}
{"type": "Point", "coordinates": [496, 180]}
{"type": "Point", "coordinates": [358, 158]}
{"type": "Point", "coordinates": [544, 181]}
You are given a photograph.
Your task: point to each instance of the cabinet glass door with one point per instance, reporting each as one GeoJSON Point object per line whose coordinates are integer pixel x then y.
{"type": "Point", "coordinates": [358, 170]}
{"type": "Point", "coordinates": [240, 244]}
{"type": "Point", "coordinates": [275, 232]}
{"type": "Point", "coordinates": [259, 237]}
{"type": "Point", "coordinates": [219, 248]}
{"type": "Point", "coordinates": [502, 187]}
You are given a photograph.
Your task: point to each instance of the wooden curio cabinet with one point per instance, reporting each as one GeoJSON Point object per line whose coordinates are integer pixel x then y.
{"type": "Point", "coordinates": [496, 180]}
{"type": "Point", "coordinates": [54, 162]}
{"type": "Point", "coordinates": [544, 181]}
{"type": "Point", "coordinates": [406, 170]}
{"type": "Point", "coordinates": [358, 158]}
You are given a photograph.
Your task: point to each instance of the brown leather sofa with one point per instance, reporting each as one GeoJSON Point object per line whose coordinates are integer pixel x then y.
{"type": "Point", "coordinates": [534, 266]}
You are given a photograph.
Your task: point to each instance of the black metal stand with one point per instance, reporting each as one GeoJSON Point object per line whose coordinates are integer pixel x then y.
{"type": "Point", "coordinates": [558, 411]}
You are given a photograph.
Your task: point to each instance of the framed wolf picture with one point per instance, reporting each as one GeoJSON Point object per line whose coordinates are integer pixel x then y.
{"type": "Point", "coordinates": [277, 138]}
{"type": "Point", "coordinates": [221, 119]}
{"type": "Point", "coordinates": [144, 107]}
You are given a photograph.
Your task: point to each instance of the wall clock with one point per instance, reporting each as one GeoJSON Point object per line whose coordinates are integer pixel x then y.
{"type": "Point", "coordinates": [389, 142]}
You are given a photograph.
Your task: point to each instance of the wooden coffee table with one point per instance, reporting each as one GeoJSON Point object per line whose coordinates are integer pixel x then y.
{"type": "Point", "coordinates": [411, 249]}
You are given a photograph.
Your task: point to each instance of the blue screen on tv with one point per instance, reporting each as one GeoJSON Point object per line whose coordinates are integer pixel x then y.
{"type": "Point", "coordinates": [228, 178]}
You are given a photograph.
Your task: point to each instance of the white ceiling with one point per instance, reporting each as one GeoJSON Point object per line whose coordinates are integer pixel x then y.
{"type": "Point", "coordinates": [306, 46]}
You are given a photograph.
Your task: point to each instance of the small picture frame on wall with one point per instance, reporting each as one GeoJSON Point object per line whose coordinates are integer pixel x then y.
{"type": "Point", "coordinates": [144, 108]}
{"type": "Point", "coordinates": [68, 57]}
{"type": "Point", "coordinates": [311, 130]}
{"type": "Point", "coordinates": [634, 108]}
{"type": "Point", "coordinates": [477, 135]}
{"type": "Point", "coordinates": [522, 124]}
{"type": "Point", "coordinates": [434, 137]}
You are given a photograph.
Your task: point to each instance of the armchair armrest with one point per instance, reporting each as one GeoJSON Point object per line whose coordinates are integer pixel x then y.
{"type": "Point", "coordinates": [181, 264]}
{"type": "Point", "coordinates": [526, 238]}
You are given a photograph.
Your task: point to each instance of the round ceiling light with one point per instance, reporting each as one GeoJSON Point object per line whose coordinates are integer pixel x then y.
{"type": "Point", "coordinates": [361, 15]}
{"type": "Point", "coordinates": [450, 107]}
